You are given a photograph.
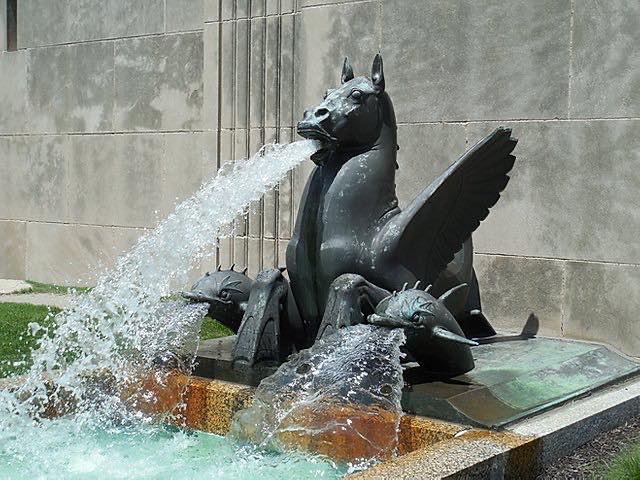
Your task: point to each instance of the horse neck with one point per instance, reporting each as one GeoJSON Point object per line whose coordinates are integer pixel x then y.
{"type": "Point", "coordinates": [377, 165]}
{"type": "Point", "coordinates": [385, 149]}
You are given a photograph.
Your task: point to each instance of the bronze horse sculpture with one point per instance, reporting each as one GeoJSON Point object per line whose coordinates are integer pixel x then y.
{"type": "Point", "coordinates": [353, 246]}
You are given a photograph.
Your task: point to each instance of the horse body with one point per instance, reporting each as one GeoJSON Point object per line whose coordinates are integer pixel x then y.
{"type": "Point", "coordinates": [347, 205]}
{"type": "Point", "coordinates": [352, 245]}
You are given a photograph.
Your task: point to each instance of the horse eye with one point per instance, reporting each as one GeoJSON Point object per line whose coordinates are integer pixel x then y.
{"type": "Point", "coordinates": [416, 317]}
{"type": "Point", "coordinates": [356, 94]}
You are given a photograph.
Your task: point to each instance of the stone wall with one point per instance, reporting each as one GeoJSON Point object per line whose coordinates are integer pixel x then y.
{"type": "Point", "coordinates": [111, 110]}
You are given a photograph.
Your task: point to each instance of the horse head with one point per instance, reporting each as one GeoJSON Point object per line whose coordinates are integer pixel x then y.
{"type": "Point", "coordinates": [350, 118]}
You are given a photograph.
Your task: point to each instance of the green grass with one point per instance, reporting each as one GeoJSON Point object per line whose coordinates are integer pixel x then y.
{"type": "Point", "coordinates": [15, 344]}
{"type": "Point", "coordinates": [38, 287]}
{"type": "Point", "coordinates": [625, 466]}
{"type": "Point", "coordinates": [213, 329]}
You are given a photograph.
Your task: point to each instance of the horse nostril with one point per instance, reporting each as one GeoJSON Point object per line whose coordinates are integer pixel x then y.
{"type": "Point", "coordinates": [322, 112]}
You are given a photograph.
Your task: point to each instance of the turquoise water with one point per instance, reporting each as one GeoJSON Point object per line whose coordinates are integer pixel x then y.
{"type": "Point", "coordinates": [60, 449]}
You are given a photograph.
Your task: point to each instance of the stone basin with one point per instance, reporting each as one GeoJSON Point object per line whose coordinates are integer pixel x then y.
{"type": "Point", "coordinates": [514, 378]}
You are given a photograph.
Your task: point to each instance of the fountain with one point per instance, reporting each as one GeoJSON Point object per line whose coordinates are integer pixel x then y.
{"type": "Point", "coordinates": [375, 319]}
{"type": "Point", "coordinates": [353, 246]}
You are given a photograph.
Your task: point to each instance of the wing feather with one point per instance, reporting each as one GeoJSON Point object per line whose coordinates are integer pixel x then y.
{"type": "Point", "coordinates": [439, 220]}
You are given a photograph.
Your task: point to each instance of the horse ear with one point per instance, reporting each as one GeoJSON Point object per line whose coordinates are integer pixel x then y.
{"type": "Point", "coordinates": [377, 73]}
{"type": "Point", "coordinates": [347, 71]}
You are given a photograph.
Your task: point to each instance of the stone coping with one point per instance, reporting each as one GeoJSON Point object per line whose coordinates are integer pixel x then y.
{"type": "Point", "coordinates": [514, 378]}
{"type": "Point", "coordinates": [432, 448]}
{"type": "Point", "coordinates": [209, 405]}
{"type": "Point", "coordinates": [428, 448]}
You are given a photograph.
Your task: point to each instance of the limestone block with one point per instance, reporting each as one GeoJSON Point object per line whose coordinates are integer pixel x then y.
{"type": "Point", "coordinates": [254, 256]}
{"type": "Point", "coordinates": [33, 185]}
{"type": "Point", "coordinates": [3, 25]}
{"type": "Point", "coordinates": [13, 94]}
{"type": "Point", "coordinates": [242, 8]}
{"type": "Point", "coordinates": [117, 179]}
{"type": "Point", "coordinates": [605, 59]}
{"type": "Point", "coordinates": [281, 260]}
{"type": "Point", "coordinates": [269, 254]}
{"type": "Point", "coordinates": [602, 304]}
{"type": "Point", "coordinates": [257, 72]}
{"type": "Point", "coordinates": [212, 10]}
{"type": "Point", "coordinates": [323, 37]}
{"type": "Point", "coordinates": [70, 88]}
{"type": "Point", "coordinates": [287, 113]}
{"type": "Point", "coordinates": [74, 254]}
{"type": "Point", "coordinates": [183, 15]}
{"type": "Point", "coordinates": [241, 74]}
{"type": "Point", "coordinates": [227, 80]}
{"type": "Point", "coordinates": [425, 152]}
{"type": "Point", "coordinates": [43, 22]}
{"type": "Point", "coordinates": [272, 73]}
{"type": "Point", "coordinates": [460, 60]}
{"type": "Point", "coordinates": [225, 252]}
{"type": "Point", "coordinates": [273, 7]}
{"type": "Point", "coordinates": [228, 9]}
{"type": "Point", "coordinates": [211, 81]}
{"type": "Point", "coordinates": [240, 252]}
{"type": "Point", "coordinates": [573, 192]}
{"type": "Point", "coordinates": [158, 82]}
{"type": "Point", "coordinates": [287, 6]}
{"type": "Point", "coordinates": [13, 249]}
{"type": "Point", "coordinates": [512, 288]}
{"type": "Point", "coordinates": [258, 8]}
{"type": "Point", "coordinates": [209, 155]}
{"type": "Point", "coordinates": [182, 165]}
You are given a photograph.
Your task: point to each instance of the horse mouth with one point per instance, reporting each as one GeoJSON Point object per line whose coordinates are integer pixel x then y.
{"type": "Point", "coordinates": [313, 131]}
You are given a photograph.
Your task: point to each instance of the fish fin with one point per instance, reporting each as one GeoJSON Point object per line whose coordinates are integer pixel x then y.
{"type": "Point", "coordinates": [454, 300]}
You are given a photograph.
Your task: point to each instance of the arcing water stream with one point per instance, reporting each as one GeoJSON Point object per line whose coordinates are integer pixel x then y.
{"type": "Point", "coordinates": [91, 366]}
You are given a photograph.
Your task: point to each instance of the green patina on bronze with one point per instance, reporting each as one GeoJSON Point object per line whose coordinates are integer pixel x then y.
{"type": "Point", "coordinates": [511, 380]}
{"type": "Point", "coordinates": [516, 379]}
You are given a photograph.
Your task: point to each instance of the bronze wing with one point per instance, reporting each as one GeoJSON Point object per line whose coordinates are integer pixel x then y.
{"type": "Point", "coordinates": [427, 234]}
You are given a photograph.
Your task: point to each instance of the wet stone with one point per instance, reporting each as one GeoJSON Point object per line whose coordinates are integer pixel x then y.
{"type": "Point", "coordinates": [514, 378]}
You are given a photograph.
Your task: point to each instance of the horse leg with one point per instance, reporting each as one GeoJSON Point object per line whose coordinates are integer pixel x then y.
{"type": "Point", "coordinates": [260, 337]}
{"type": "Point", "coordinates": [351, 299]}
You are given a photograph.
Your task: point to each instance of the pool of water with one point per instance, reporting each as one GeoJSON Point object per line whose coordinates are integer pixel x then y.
{"type": "Point", "coordinates": [60, 449]}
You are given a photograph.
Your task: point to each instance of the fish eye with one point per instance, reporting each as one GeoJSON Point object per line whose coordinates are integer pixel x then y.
{"type": "Point", "coordinates": [356, 95]}
{"type": "Point", "coordinates": [224, 294]}
{"type": "Point", "coordinates": [416, 317]}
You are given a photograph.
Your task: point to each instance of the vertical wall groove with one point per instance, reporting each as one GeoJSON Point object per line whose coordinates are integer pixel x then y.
{"type": "Point", "coordinates": [254, 79]}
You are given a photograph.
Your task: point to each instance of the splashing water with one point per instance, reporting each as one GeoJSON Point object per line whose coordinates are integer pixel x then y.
{"type": "Point", "coordinates": [100, 352]}
{"type": "Point", "coordinates": [62, 453]}
{"type": "Point", "coordinates": [339, 398]}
